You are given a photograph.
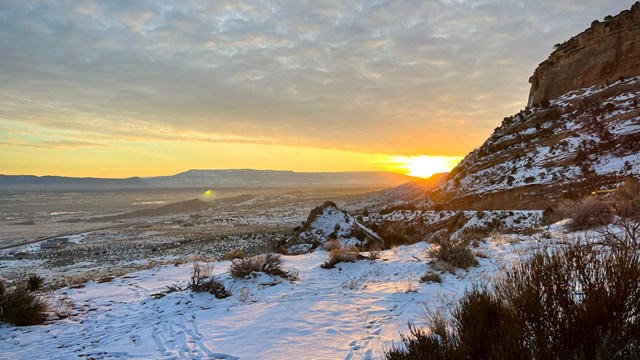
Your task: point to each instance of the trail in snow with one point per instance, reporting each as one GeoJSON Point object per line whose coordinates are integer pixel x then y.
{"type": "Point", "coordinates": [353, 312]}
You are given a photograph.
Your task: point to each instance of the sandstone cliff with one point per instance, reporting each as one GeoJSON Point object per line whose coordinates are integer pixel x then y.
{"type": "Point", "coordinates": [603, 53]}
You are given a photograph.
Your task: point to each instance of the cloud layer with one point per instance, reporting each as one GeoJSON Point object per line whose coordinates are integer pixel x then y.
{"type": "Point", "coordinates": [391, 76]}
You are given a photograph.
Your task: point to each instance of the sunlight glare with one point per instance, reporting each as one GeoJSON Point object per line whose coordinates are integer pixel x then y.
{"type": "Point", "coordinates": [425, 166]}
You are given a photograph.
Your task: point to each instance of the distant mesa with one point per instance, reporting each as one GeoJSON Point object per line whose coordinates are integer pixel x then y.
{"type": "Point", "coordinates": [19, 182]}
{"type": "Point", "coordinates": [279, 178]}
{"type": "Point", "coordinates": [213, 178]}
{"type": "Point", "coordinates": [601, 54]}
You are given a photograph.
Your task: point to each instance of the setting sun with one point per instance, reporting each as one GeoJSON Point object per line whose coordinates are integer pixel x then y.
{"type": "Point", "coordinates": [425, 166]}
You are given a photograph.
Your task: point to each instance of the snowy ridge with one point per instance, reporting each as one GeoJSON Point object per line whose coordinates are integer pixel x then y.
{"type": "Point", "coordinates": [589, 136]}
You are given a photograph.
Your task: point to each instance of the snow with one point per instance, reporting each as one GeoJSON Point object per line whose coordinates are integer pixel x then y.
{"type": "Point", "coordinates": [535, 149]}
{"type": "Point", "coordinates": [353, 311]}
{"type": "Point", "coordinates": [332, 222]}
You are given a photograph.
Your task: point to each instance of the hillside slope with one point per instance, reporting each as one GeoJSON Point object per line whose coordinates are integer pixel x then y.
{"type": "Point", "coordinates": [578, 134]}
{"type": "Point", "coordinates": [583, 141]}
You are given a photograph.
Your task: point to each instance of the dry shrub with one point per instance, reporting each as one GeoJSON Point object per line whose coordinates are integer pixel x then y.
{"type": "Point", "coordinates": [442, 266]}
{"type": "Point", "coordinates": [332, 244]}
{"type": "Point", "coordinates": [105, 279]}
{"type": "Point", "coordinates": [192, 259]}
{"type": "Point", "coordinates": [474, 233]}
{"type": "Point", "coordinates": [265, 263]}
{"type": "Point", "coordinates": [345, 254]}
{"type": "Point", "coordinates": [202, 280]}
{"type": "Point", "coordinates": [431, 277]}
{"type": "Point", "coordinates": [20, 305]}
{"type": "Point", "coordinates": [455, 253]}
{"type": "Point", "coordinates": [587, 213]}
{"type": "Point", "coordinates": [235, 254]}
{"type": "Point", "coordinates": [528, 231]}
{"type": "Point", "coordinates": [410, 285]}
{"type": "Point", "coordinates": [278, 246]}
{"type": "Point", "coordinates": [502, 239]}
{"type": "Point", "coordinates": [34, 283]}
{"type": "Point", "coordinates": [580, 302]}
{"type": "Point", "coordinates": [374, 251]}
{"type": "Point", "coordinates": [626, 200]}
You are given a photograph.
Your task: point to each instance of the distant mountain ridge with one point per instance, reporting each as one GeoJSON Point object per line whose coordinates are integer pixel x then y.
{"type": "Point", "coordinates": [279, 178]}
{"type": "Point", "coordinates": [212, 178]}
{"type": "Point", "coordinates": [20, 182]}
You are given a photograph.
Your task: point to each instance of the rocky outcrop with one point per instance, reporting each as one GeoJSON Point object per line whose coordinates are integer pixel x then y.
{"type": "Point", "coordinates": [601, 54]}
{"type": "Point", "coordinates": [328, 222]}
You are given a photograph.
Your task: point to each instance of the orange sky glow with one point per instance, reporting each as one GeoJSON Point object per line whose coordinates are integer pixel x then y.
{"type": "Point", "coordinates": [147, 88]}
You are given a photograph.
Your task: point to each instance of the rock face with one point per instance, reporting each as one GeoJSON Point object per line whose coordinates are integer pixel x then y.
{"type": "Point", "coordinates": [601, 54]}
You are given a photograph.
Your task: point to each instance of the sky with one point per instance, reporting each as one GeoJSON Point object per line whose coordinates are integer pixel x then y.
{"type": "Point", "coordinates": [123, 88]}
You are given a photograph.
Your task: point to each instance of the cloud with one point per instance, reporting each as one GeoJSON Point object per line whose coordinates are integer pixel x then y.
{"type": "Point", "coordinates": [404, 77]}
{"type": "Point", "coordinates": [53, 144]}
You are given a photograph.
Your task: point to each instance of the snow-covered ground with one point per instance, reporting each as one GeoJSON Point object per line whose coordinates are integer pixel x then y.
{"type": "Point", "coordinates": [353, 311]}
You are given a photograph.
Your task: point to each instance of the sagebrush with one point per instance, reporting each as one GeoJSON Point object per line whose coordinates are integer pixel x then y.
{"type": "Point", "coordinates": [340, 255]}
{"type": "Point", "coordinates": [453, 252]}
{"type": "Point", "coordinates": [269, 263]}
{"type": "Point", "coordinates": [579, 302]}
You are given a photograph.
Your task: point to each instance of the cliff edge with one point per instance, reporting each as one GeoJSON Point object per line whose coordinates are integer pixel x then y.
{"type": "Point", "coordinates": [603, 53]}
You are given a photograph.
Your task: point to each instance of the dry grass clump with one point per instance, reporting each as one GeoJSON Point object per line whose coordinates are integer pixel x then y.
{"type": "Point", "coordinates": [265, 263]}
{"type": "Point", "coordinates": [594, 211]}
{"type": "Point", "coordinates": [502, 239]}
{"type": "Point", "coordinates": [20, 303]}
{"type": "Point", "coordinates": [455, 253]}
{"type": "Point", "coordinates": [580, 302]}
{"type": "Point", "coordinates": [431, 277]}
{"type": "Point", "coordinates": [374, 251]}
{"type": "Point", "coordinates": [200, 280]}
{"type": "Point", "coordinates": [587, 213]}
{"type": "Point", "coordinates": [474, 233]}
{"type": "Point", "coordinates": [339, 255]}
{"type": "Point", "coordinates": [626, 201]}
{"type": "Point", "coordinates": [332, 244]}
{"type": "Point", "coordinates": [235, 254]}
{"type": "Point", "coordinates": [34, 283]}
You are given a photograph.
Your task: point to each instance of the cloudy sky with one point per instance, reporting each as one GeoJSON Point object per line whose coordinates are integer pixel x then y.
{"type": "Point", "coordinates": [121, 88]}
